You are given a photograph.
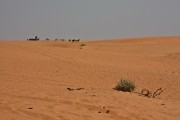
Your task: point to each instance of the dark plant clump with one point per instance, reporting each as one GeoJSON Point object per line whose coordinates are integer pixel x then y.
{"type": "Point", "coordinates": [125, 86]}
{"type": "Point", "coordinates": [83, 44]}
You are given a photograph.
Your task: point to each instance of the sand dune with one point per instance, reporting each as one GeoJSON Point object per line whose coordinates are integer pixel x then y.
{"type": "Point", "coordinates": [34, 77]}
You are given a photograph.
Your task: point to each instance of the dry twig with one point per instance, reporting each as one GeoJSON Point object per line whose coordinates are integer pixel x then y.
{"type": "Point", "coordinates": [157, 92]}
{"type": "Point", "coordinates": [147, 93]}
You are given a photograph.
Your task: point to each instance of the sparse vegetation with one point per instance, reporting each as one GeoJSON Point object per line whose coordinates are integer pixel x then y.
{"type": "Point", "coordinates": [83, 44]}
{"type": "Point", "coordinates": [125, 85]}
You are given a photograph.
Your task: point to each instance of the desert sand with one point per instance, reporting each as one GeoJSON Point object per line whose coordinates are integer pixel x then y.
{"type": "Point", "coordinates": [35, 75]}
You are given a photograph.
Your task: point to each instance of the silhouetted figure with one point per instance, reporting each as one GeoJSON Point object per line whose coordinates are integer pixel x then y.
{"type": "Point", "coordinates": [36, 37]}
{"type": "Point", "coordinates": [33, 39]}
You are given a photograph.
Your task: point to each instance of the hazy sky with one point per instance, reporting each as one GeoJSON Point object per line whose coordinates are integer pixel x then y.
{"type": "Point", "coordinates": [88, 19]}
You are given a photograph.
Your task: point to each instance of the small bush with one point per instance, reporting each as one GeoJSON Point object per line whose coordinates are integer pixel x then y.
{"type": "Point", "coordinates": [125, 86]}
{"type": "Point", "coordinates": [83, 44]}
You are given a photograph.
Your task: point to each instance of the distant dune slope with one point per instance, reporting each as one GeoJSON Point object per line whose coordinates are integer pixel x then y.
{"type": "Point", "coordinates": [35, 75]}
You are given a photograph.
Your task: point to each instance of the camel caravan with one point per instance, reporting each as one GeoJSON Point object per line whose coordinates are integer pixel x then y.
{"type": "Point", "coordinates": [74, 40]}
{"type": "Point", "coordinates": [47, 39]}
{"type": "Point", "coordinates": [70, 40]}
{"type": "Point", "coordinates": [33, 39]}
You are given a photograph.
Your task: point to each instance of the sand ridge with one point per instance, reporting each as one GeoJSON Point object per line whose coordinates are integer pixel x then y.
{"type": "Point", "coordinates": [35, 76]}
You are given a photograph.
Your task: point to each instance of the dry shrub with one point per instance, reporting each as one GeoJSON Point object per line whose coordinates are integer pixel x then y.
{"type": "Point", "coordinates": [125, 86]}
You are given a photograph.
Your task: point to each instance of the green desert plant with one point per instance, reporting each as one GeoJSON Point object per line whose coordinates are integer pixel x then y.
{"type": "Point", "coordinates": [125, 85]}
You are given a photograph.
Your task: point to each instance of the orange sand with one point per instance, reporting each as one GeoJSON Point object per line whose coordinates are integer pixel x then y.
{"type": "Point", "coordinates": [34, 77]}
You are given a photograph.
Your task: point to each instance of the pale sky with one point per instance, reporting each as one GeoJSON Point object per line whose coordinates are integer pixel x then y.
{"type": "Point", "coordinates": [88, 19]}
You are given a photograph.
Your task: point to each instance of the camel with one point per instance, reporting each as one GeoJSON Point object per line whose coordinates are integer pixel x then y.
{"type": "Point", "coordinates": [33, 39]}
